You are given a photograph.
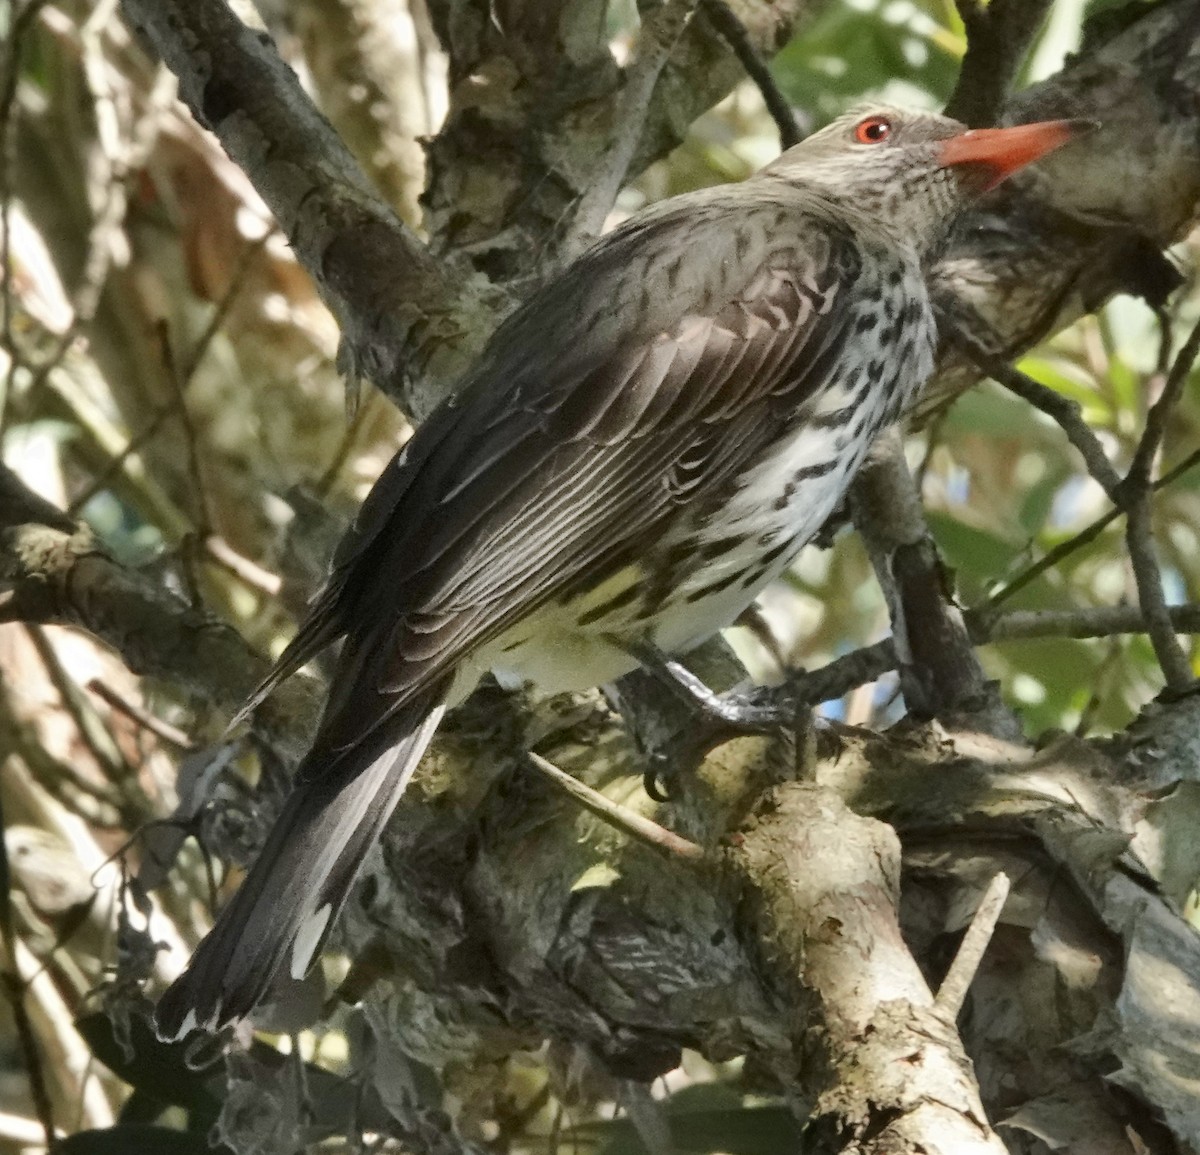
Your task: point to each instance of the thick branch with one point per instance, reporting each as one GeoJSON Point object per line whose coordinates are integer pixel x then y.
{"type": "Point", "coordinates": [403, 314]}
{"type": "Point", "coordinates": [658, 38]}
{"type": "Point", "coordinates": [53, 570]}
{"type": "Point", "coordinates": [1056, 243]}
{"type": "Point", "coordinates": [939, 671]}
{"type": "Point", "coordinates": [875, 1063]}
{"type": "Point", "coordinates": [998, 36]}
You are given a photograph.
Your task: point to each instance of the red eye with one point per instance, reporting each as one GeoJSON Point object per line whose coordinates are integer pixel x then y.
{"type": "Point", "coordinates": [873, 130]}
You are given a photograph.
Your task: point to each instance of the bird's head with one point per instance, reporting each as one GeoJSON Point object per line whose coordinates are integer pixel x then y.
{"type": "Point", "coordinates": [912, 170]}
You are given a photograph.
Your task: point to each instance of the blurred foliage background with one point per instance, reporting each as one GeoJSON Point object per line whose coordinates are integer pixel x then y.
{"type": "Point", "coordinates": [167, 374]}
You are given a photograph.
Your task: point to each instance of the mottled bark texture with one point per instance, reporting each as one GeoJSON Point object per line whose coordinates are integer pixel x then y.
{"type": "Point", "coordinates": [880, 1067]}
{"type": "Point", "coordinates": [505, 916]}
{"type": "Point", "coordinates": [535, 111]}
{"type": "Point", "coordinates": [1048, 248]}
{"type": "Point", "coordinates": [402, 313]}
{"type": "Point", "coordinates": [372, 67]}
{"type": "Point", "coordinates": [54, 571]}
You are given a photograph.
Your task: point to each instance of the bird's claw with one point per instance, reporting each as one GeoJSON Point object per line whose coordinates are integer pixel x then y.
{"type": "Point", "coordinates": [751, 710]}
{"type": "Point", "coordinates": [658, 769]}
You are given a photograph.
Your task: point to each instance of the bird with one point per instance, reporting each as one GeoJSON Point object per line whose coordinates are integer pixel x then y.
{"type": "Point", "coordinates": [640, 448]}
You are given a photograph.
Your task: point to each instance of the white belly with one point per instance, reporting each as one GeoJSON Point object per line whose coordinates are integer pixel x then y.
{"type": "Point", "coordinates": [776, 508]}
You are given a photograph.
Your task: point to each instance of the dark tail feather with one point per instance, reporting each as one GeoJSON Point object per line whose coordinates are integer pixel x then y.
{"type": "Point", "coordinates": [285, 908]}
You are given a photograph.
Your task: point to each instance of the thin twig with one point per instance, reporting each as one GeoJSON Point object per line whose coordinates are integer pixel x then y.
{"type": "Point", "coordinates": [57, 779]}
{"type": "Point", "coordinates": [141, 716]}
{"type": "Point", "coordinates": [953, 991]}
{"type": "Point", "coordinates": [985, 626]}
{"type": "Point", "coordinates": [1162, 361]}
{"type": "Point", "coordinates": [1089, 622]}
{"type": "Point", "coordinates": [1156, 420]}
{"type": "Point", "coordinates": [1062, 410]}
{"type": "Point", "coordinates": [250, 573]}
{"type": "Point", "coordinates": [1139, 539]}
{"type": "Point", "coordinates": [93, 733]}
{"type": "Point", "coordinates": [734, 33]}
{"type": "Point", "coordinates": [204, 522]}
{"type": "Point", "coordinates": [1136, 491]}
{"type": "Point", "coordinates": [237, 280]}
{"type": "Point", "coordinates": [14, 989]}
{"type": "Point", "coordinates": [1130, 495]}
{"type": "Point", "coordinates": [353, 427]}
{"type": "Point", "coordinates": [1049, 560]}
{"type": "Point", "coordinates": [933, 438]}
{"type": "Point", "coordinates": [627, 821]}
{"type": "Point", "coordinates": [1101, 683]}
{"type": "Point", "coordinates": [1085, 536]}
{"type": "Point", "coordinates": [117, 464]}
{"type": "Point", "coordinates": [113, 183]}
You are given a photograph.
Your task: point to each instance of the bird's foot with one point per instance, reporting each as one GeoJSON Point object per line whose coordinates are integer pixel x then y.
{"type": "Point", "coordinates": [746, 709]}
{"type": "Point", "coordinates": [749, 710]}
{"type": "Point", "coordinates": [658, 773]}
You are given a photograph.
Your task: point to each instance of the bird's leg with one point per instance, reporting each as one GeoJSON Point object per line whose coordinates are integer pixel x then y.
{"type": "Point", "coordinates": [758, 710]}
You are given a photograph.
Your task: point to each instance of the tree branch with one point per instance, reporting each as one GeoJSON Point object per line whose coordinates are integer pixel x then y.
{"type": "Point", "coordinates": [874, 1065]}
{"type": "Point", "coordinates": [940, 674]}
{"type": "Point", "coordinates": [986, 626]}
{"type": "Point", "coordinates": [521, 149]}
{"type": "Point", "coordinates": [998, 36]}
{"type": "Point", "coordinates": [659, 35]}
{"type": "Point", "coordinates": [408, 323]}
{"type": "Point", "coordinates": [1065, 412]}
{"type": "Point", "coordinates": [619, 817]}
{"type": "Point", "coordinates": [1136, 493]}
{"type": "Point", "coordinates": [1130, 494]}
{"type": "Point", "coordinates": [53, 570]}
{"type": "Point", "coordinates": [953, 991]}
{"type": "Point", "coordinates": [734, 33]}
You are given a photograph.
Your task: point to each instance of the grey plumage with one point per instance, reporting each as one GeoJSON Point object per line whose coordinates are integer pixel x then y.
{"type": "Point", "coordinates": [641, 447]}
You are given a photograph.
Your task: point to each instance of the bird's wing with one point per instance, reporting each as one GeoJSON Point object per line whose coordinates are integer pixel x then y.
{"type": "Point", "coordinates": [566, 455]}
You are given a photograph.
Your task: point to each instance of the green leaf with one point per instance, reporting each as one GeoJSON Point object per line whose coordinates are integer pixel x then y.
{"type": "Point", "coordinates": [975, 554]}
{"type": "Point", "coordinates": [848, 53]}
{"type": "Point", "coordinates": [991, 410]}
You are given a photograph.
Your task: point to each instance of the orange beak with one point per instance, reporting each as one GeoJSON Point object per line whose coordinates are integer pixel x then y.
{"type": "Point", "coordinates": [999, 152]}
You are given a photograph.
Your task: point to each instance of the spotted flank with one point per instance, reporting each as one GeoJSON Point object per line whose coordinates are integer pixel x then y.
{"type": "Point", "coordinates": [641, 447]}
